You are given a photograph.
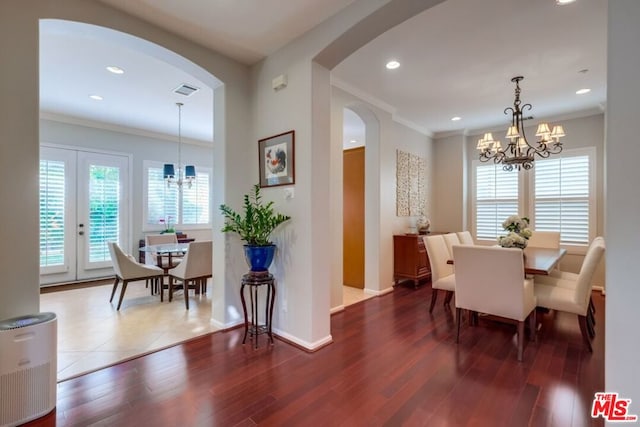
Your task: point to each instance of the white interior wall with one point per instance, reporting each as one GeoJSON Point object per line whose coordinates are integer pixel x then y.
{"type": "Point", "coordinates": [622, 344]}
{"type": "Point", "coordinates": [448, 214]}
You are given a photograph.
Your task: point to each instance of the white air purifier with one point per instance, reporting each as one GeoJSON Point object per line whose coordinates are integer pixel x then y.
{"type": "Point", "coordinates": [28, 365]}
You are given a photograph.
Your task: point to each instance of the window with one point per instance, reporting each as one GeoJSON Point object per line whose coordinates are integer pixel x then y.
{"type": "Point", "coordinates": [561, 191]}
{"type": "Point", "coordinates": [563, 196]}
{"type": "Point", "coordinates": [190, 208]}
{"type": "Point", "coordinates": [496, 197]}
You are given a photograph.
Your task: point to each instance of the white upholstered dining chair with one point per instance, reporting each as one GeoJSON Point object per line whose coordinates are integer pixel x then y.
{"type": "Point", "coordinates": [451, 239]}
{"type": "Point", "coordinates": [571, 293]}
{"type": "Point", "coordinates": [442, 276]}
{"type": "Point", "coordinates": [465, 238]}
{"type": "Point", "coordinates": [491, 280]}
{"type": "Point", "coordinates": [127, 269]}
{"type": "Point", "coordinates": [544, 239]}
{"type": "Point", "coordinates": [193, 271]}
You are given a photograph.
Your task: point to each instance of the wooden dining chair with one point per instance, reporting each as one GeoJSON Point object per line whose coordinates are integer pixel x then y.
{"type": "Point", "coordinates": [193, 271]}
{"type": "Point", "coordinates": [442, 277]}
{"type": "Point", "coordinates": [127, 269]}
{"type": "Point", "coordinates": [490, 280]}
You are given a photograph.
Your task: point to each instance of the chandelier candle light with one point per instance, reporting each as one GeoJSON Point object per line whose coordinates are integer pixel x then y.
{"type": "Point", "coordinates": [519, 153]}
{"type": "Point", "coordinates": [189, 171]}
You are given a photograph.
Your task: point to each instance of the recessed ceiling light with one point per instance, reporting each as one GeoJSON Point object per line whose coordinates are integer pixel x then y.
{"type": "Point", "coordinates": [115, 70]}
{"type": "Point", "coordinates": [562, 2]}
{"type": "Point", "coordinates": [96, 97]}
{"type": "Point", "coordinates": [583, 91]}
{"type": "Point", "coordinates": [455, 119]}
{"type": "Point", "coordinates": [392, 65]}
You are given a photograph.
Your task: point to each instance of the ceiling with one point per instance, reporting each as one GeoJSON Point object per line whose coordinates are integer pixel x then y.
{"type": "Point", "coordinates": [457, 59]}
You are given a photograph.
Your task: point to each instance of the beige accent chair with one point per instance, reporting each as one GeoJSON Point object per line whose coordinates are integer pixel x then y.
{"type": "Point", "coordinates": [571, 293]}
{"type": "Point", "coordinates": [451, 239]}
{"type": "Point", "coordinates": [544, 239]}
{"type": "Point", "coordinates": [193, 271]}
{"type": "Point", "coordinates": [465, 238]}
{"type": "Point", "coordinates": [128, 270]}
{"type": "Point", "coordinates": [491, 280]}
{"type": "Point", "coordinates": [442, 276]}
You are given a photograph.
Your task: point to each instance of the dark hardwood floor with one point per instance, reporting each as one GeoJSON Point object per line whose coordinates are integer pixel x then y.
{"type": "Point", "coordinates": [392, 363]}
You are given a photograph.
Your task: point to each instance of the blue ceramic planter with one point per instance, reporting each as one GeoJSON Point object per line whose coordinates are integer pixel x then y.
{"type": "Point", "coordinates": [259, 258]}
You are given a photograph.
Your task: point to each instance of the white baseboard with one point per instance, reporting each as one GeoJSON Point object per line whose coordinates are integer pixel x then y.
{"type": "Point", "coordinates": [304, 344]}
{"type": "Point", "coordinates": [337, 309]}
{"type": "Point", "coordinates": [378, 293]}
{"type": "Point", "coordinates": [224, 326]}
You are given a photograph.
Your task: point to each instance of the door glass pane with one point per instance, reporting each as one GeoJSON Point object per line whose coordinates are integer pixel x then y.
{"type": "Point", "coordinates": [104, 210]}
{"type": "Point", "coordinates": [52, 215]}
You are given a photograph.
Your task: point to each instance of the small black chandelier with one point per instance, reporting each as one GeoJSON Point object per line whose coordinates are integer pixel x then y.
{"type": "Point", "coordinates": [519, 154]}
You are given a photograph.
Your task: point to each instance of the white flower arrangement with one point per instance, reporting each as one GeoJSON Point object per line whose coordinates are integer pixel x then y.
{"type": "Point", "coordinates": [519, 232]}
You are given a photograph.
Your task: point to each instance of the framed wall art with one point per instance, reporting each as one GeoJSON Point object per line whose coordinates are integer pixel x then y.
{"type": "Point", "coordinates": [276, 159]}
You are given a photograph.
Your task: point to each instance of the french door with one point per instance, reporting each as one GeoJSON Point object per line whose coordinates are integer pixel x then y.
{"type": "Point", "coordinates": [83, 205]}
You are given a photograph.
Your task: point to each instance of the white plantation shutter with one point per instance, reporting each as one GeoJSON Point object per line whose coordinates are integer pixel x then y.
{"type": "Point", "coordinates": [195, 200]}
{"type": "Point", "coordinates": [563, 196]}
{"type": "Point", "coordinates": [496, 198]}
{"type": "Point", "coordinates": [191, 208]}
{"type": "Point", "coordinates": [162, 201]}
{"type": "Point", "coordinates": [104, 210]}
{"type": "Point", "coordinates": [52, 214]}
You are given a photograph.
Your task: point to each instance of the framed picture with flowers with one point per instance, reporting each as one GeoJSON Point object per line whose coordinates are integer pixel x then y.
{"type": "Point", "coordinates": [276, 159]}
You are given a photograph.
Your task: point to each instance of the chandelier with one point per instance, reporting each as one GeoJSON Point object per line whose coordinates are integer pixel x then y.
{"type": "Point", "coordinates": [189, 174]}
{"type": "Point", "coordinates": [519, 153]}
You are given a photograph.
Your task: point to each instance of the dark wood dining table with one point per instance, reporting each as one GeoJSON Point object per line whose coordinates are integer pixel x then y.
{"type": "Point", "coordinates": [539, 260]}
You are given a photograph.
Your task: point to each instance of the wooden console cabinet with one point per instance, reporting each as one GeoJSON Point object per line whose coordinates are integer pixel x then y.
{"type": "Point", "coordinates": [410, 260]}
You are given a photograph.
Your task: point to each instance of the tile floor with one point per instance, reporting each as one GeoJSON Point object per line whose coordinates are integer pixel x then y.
{"type": "Point", "coordinates": [92, 334]}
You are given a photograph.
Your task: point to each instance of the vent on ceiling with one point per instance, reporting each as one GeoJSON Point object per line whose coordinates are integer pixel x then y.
{"type": "Point", "coordinates": [186, 89]}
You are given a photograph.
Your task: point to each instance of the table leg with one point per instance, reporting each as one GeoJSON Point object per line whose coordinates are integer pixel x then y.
{"type": "Point", "coordinates": [254, 315]}
{"type": "Point", "coordinates": [244, 310]}
{"type": "Point", "coordinates": [272, 293]}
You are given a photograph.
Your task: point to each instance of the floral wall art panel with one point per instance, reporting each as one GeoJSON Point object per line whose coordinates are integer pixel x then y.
{"type": "Point", "coordinates": [402, 183]}
{"type": "Point", "coordinates": [411, 187]}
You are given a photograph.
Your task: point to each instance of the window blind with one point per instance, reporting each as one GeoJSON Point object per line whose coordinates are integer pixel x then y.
{"type": "Point", "coordinates": [496, 199]}
{"type": "Point", "coordinates": [562, 197]}
{"type": "Point", "coordinates": [52, 214]}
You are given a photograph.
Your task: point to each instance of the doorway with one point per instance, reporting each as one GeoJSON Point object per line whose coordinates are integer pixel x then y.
{"type": "Point", "coordinates": [84, 203]}
{"type": "Point", "coordinates": [353, 235]}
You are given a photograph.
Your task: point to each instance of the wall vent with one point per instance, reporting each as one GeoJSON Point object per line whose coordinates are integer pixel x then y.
{"type": "Point", "coordinates": [186, 89]}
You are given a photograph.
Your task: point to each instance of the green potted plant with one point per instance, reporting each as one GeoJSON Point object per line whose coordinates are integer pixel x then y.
{"type": "Point", "coordinates": [254, 226]}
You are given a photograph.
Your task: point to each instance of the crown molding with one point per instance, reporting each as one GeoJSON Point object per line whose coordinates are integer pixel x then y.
{"type": "Point", "coordinates": [73, 120]}
{"type": "Point", "coordinates": [376, 102]}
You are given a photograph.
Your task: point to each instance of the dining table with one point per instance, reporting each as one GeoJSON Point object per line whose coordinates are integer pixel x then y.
{"type": "Point", "coordinates": [539, 260]}
{"type": "Point", "coordinates": [166, 250]}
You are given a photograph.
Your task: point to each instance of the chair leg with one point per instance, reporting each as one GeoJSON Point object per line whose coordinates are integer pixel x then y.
{"type": "Point", "coordinates": [520, 340]}
{"type": "Point", "coordinates": [115, 286]}
{"type": "Point", "coordinates": [186, 293]}
{"type": "Point", "coordinates": [434, 297]}
{"type": "Point", "coordinates": [592, 306]}
{"type": "Point", "coordinates": [170, 288]}
{"type": "Point", "coordinates": [458, 319]}
{"type": "Point", "coordinates": [533, 326]}
{"type": "Point", "coordinates": [448, 297]}
{"type": "Point", "coordinates": [124, 288]}
{"type": "Point", "coordinates": [159, 280]}
{"type": "Point", "coordinates": [585, 334]}
{"type": "Point", "coordinates": [591, 325]}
